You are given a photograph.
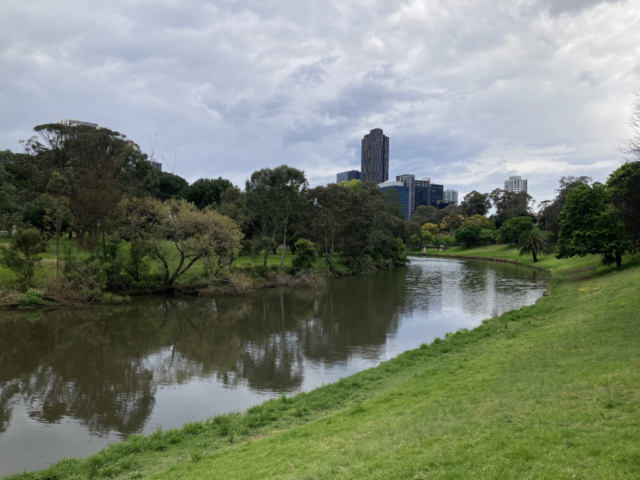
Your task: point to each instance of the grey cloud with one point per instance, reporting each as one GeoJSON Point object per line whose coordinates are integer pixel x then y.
{"type": "Point", "coordinates": [556, 7]}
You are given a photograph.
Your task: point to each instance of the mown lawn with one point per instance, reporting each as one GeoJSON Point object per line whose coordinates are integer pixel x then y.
{"type": "Point", "coordinates": [549, 391]}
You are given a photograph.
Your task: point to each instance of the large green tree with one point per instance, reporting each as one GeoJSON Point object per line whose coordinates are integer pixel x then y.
{"type": "Point", "coordinates": [510, 204]}
{"type": "Point", "coordinates": [550, 209]}
{"type": "Point", "coordinates": [205, 191]}
{"type": "Point", "coordinates": [591, 224]}
{"type": "Point", "coordinates": [624, 184]}
{"type": "Point", "coordinates": [475, 203]}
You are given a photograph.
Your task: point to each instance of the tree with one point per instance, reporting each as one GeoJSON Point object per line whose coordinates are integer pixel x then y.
{"type": "Point", "coordinates": [469, 235]}
{"type": "Point", "coordinates": [330, 206]}
{"type": "Point", "coordinates": [352, 185]}
{"type": "Point", "coordinates": [432, 228]}
{"type": "Point", "coordinates": [535, 243]}
{"type": "Point", "coordinates": [22, 256]}
{"type": "Point", "coordinates": [590, 224]}
{"type": "Point", "coordinates": [205, 191]}
{"type": "Point", "coordinates": [550, 210]}
{"type": "Point", "coordinates": [306, 256]}
{"type": "Point", "coordinates": [510, 204]}
{"type": "Point", "coordinates": [512, 230]}
{"type": "Point", "coordinates": [7, 198]}
{"type": "Point", "coordinates": [178, 226]}
{"type": "Point", "coordinates": [168, 185]}
{"type": "Point", "coordinates": [426, 214]}
{"type": "Point", "coordinates": [624, 184]}
{"type": "Point", "coordinates": [452, 219]}
{"type": "Point", "coordinates": [273, 195]}
{"type": "Point", "coordinates": [479, 221]}
{"type": "Point", "coordinates": [475, 203]}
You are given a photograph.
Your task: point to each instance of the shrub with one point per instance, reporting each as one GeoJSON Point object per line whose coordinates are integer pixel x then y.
{"type": "Point", "coordinates": [534, 242]}
{"type": "Point", "coordinates": [22, 256]}
{"type": "Point", "coordinates": [306, 255]}
{"type": "Point", "coordinates": [32, 298]}
{"type": "Point", "coordinates": [398, 252]}
{"type": "Point", "coordinates": [469, 235]}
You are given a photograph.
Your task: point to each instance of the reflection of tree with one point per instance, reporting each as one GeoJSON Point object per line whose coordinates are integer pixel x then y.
{"type": "Point", "coordinates": [103, 366]}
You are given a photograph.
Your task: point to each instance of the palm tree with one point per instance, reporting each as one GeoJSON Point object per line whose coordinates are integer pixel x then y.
{"type": "Point", "coordinates": [534, 242]}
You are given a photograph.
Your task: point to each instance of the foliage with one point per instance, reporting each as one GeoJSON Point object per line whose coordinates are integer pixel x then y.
{"type": "Point", "coordinates": [550, 210]}
{"type": "Point", "coordinates": [447, 240]}
{"type": "Point", "coordinates": [479, 221]}
{"type": "Point", "coordinates": [534, 242]}
{"type": "Point", "coordinates": [469, 235]}
{"type": "Point", "coordinates": [22, 256]}
{"type": "Point", "coordinates": [398, 252]}
{"type": "Point", "coordinates": [512, 230]}
{"type": "Point", "coordinates": [32, 298]}
{"type": "Point", "coordinates": [205, 191]}
{"type": "Point", "coordinates": [432, 228]}
{"type": "Point", "coordinates": [624, 184]}
{"type": "Point", "coordinates": [352, 185]}
{"type": "Point", "coordinates": [510, 205]}
{"type": "Point", "coordinates": [428, 238]}
{"type": "Point", "coordinates": [306, 255]}
{"type": "Point", "coordinates": [7, 198]}
{"type": "Point", "coordinates": [168, 185]}
{"type": "Point", "coordinates": [196, 234]}
{"type": "Point", "coordinates": [452, 220]}
{"type": "Point", "coordinates": [590, 224]}
{"type": "Point", "coordinates": [475, 203]}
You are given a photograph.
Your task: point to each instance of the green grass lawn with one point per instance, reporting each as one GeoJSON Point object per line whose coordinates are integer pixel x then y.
{"type": "Point", "coordinates": [549, 391]}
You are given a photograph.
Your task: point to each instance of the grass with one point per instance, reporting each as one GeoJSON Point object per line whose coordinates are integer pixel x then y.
{"type": "Point", "coordinates": [548, 391]}
{"type": "Point", "coordinates": [46, 269]}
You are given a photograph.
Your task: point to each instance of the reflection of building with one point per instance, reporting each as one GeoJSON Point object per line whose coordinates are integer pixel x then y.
{"type": "Point", "coordinates": [403, 194]}
{"type": "Point", "coordinates": [451, 196]}
{"type": "Point", "coordinates": [515, 184]}
{"type": "Point", "coordinates": [375, 157]}
{"type": "Point", "coordinates": [346, 176]}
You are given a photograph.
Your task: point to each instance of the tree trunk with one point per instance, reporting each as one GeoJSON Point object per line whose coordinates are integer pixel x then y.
{"type": "Point", "coordinates": [58, 228]}
{"type": "Point", "coordinates": [284, 245]}
{"type": "Point", "coordinates": [266, 256]}
{"type": "Point", "coordinates": [535, 258]}
{"type": "Point", "coordinates": [618, 259]}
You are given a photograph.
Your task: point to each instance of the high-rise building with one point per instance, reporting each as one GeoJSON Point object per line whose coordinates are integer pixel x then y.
{"type": "Point", "coordinates": [409, 181]}
{"type": "Point", "coordinates": [156, 165]}
{"type": "Point", "coordinates": [346, 176]}
{"type": "Point", "coordinates": [403, 194]}
{"type": "Point", "coordinates": [451, 196]}
{"type": "Point", "coordinates": [436, 194]}
{"type": "Point", "coordinates": [375, 157]}
{"type": "Point", "coordinates": [515, 184]}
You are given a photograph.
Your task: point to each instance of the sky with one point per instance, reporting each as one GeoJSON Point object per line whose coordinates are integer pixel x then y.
{"type": "Point", "coordinates": [469, 92]}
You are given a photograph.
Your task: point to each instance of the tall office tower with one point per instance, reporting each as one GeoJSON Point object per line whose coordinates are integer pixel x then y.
{"type": "Point", "coordinates": [436, 194]}
{"type": "Point", "coordinates": [451, 196]}
{"type": "Point", "coordinates": [375, 157]}
{"type": "Point", "coordinates": [403, 194]}
{"type": "Point", "coordinates": [422, 192]}
{"type": "Point", "coordinates": [346, 176]}
{"type": "Point", "coordinates": [410, 182]}
{"type": "Point", "coordinates": [515, 184]}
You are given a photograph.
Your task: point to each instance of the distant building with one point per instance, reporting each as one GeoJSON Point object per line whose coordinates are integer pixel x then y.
{"type": "Point", "coordinates": [443, 204]}
{"type": "Point", "coordinates": [436, 194]}
{"type": "Point", "coordinates": [451, 196]}
{"type": "Point", "coordinates": [346, 176]}
{"type": "Point", "coordinates": [156, 165]}
{"type": "Point", "coordinates": [410, 182]}
{"type": "Point", "coordinates": [515, 184]}
{"type": "Point", "coordinates": [75, 123]}
{"type": "Point", "coordinates": [375, 157]}
{"type": "Point", "coordinates": [403, 194]}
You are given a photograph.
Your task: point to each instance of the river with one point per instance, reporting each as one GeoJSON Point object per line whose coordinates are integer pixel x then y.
{"type": "Point", "coordinates": [74, 380]}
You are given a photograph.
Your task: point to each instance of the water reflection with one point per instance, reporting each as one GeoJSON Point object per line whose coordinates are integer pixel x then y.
{"type": "Point", "coordinates": [94, 373]}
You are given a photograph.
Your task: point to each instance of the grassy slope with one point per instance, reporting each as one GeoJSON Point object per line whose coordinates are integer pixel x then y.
{"type": "Point", "coordinates": [549, 391]}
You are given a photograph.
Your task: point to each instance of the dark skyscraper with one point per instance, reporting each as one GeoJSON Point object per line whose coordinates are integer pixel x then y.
{"type": "Point", "coordinates": [346, 176]}
{"type": "Point", "coordinates": [375, 157]}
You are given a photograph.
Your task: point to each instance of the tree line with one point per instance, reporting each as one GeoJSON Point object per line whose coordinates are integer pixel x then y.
{"type": "Point", "coordinates": [98, 187]}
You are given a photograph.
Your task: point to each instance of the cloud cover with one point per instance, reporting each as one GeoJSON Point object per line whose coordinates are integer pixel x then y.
{"type": "Point", "coordinates": [468, 91]}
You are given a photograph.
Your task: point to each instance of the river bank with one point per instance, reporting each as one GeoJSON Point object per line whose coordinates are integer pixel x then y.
{"type": "Point", "coordinates": [551, 390]}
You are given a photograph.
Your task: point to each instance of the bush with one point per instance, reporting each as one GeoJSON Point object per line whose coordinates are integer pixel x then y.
{"type": "Point", "coordinates": [29, 244]}
{"type": "Point", "coordinates": [512, 230]}
{"type": "Point", "coordinates": [398, 252]}
{"type": "Point", "coordinates": [470, 235]}
{"type": "Point", "coordinates": [32, 298]}
{"type": "Point", "coordinates": [306, 255]}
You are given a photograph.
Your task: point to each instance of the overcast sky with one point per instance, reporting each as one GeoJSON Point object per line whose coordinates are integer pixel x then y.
{"type": "Point", "coordinates": [468, 91]}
